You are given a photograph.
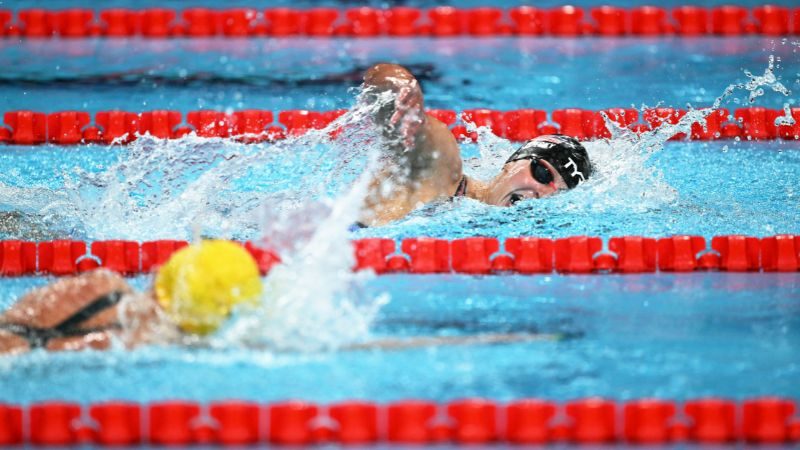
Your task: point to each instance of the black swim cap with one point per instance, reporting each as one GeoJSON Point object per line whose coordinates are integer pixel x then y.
{"type": "Point", "coordinates": [565, 153]}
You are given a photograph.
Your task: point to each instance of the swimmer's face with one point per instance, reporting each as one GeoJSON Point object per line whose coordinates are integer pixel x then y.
{"type": "Point", "coordinates": [516, 183]}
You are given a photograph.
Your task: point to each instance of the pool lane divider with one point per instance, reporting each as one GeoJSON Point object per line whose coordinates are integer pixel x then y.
{"type": "Point", "coordinates": [251, 126]}
{"type": "Point", "coordinates": [593, 421]}
{"type": "Point", "coordinates": [442, 21]}
{"type": "Point", "coordinates": [423, 255]}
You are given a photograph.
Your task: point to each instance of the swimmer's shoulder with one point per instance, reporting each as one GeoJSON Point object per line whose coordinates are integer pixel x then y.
{"type": "Point", "coordinates": [446, 154]}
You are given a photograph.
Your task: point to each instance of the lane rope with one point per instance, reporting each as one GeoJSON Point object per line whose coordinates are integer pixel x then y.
{"type": "Point", "coordinates": [425, 255]}
{"type": "Point", "coordinates": [764, 420]}
{"type": "Point", "coordinates": [442, 21]}
{"type": "Point", "coordinates": [122, 127]}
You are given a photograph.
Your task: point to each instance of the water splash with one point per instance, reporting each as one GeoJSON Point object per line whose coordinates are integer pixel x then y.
{"type": "Point", "coordinates": [313, 300]}
{"type": "Point", "coordinates": [787, 118]}
{"type": "Point", "coordinates": [626, 184]}
{"type": "Point", "coordinates": [192, 186]}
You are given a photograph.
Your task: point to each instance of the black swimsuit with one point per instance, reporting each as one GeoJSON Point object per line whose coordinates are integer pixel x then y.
{"type": "Point", "coordinates": [39, 337]}
{"type": "Point", "coordinates": [461, 190]}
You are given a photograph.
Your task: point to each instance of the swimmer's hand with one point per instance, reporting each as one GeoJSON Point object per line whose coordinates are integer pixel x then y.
{"type": "Point", "coordinates": [401, 115]}
{"type": "Point", "coordinates": [408, 116]}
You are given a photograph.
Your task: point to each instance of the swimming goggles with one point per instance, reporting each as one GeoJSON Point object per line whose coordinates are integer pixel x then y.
{"type": "Point", "coordinates": [539, 171]}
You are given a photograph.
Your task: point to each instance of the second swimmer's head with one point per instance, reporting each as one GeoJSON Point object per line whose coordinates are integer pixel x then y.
{"type": "Point", "coordinates": [540, 168]}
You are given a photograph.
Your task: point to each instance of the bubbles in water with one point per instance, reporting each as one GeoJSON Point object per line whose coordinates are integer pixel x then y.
{"type": "Point", "coordinates": [786, 118]}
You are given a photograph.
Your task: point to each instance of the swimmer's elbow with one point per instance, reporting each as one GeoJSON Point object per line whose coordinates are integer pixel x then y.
{"type": "Point", "coordinates": [388, 76]}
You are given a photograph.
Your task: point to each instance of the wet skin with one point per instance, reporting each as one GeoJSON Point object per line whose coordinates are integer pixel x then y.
{"type": "Point", "coordinates": [427, 165]}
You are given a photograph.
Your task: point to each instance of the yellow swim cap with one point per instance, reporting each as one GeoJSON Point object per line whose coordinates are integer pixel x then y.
{"type": "Point", "coordinates": [200, 284]}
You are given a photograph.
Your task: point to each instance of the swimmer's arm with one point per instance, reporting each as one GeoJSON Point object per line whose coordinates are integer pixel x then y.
{"type": "Point", "coordinates": [424, 143]}
{"type": "Point", "coordinates": [400, 113]}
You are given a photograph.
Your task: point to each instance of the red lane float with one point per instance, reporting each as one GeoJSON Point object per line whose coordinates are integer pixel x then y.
{"type": "Point", "coordinates": [282, 22]}
{"type": "Point", "coordinates": [160, 124]}
{"type": "Point", "coordinates": [766, 420]}
{"type": "Point", "coordinates": [17, 258]}
{"type": "Point", "coordinates": [528, 421]}
{"type": "Point", "coordinates": [691, 20]}
{"type": "Point", "coordinates": [290, 423]}
{"type": "Point", "coordinates": [119, 256]}
{"type": "Point", "coordinates": [364, 22]}
{"type": "Point", "coordinates": [576, 254]}
{"type": "Point", "coordinates": [118, 423]}
{"type": "Point", "coordinates": [427, 255]}
{"type": "Point", "coordinates": [10, 425]}
{"type": "Point", "coordinates": [712, 420]}
{"type": "Point", "coordinates": [74, 23]}
{"type": "Point", "coordinates": [680, 253]}
{"type": "Point", "coordinates": [115, 127]}
{"type": "Point", "coordinates": [737, 253]}
{"type": "Point", "coordinates": [319, 22]}
{"type": "Point", "coordinates": [757, 123]}
{"type": "Point", "coordinates": [5, 20]}
{"type": "Point", "coordinates": [527, 21]}
{"type": "Point", "coordinates": [473, 255]}
{"type": "Point", "coordinates": [156, 253]}
{"type": "Point", "coordinates": [60, 257]}
{"type": "Point", "coordinates": [780, 253]}
{"type": "Point", "coordinates": [729, 20]}
{"type": "Point", "coordinates": [265, 258]}
{"type": "Point", "coordinates": [119, 22]}
{"type": "Point", "coordinates": [531, 255]}
{"type": "Point", "coordinates": [565, 21]}
{"type": "Point", "coordinates": [610, 20]}
{"type": "Point", "coordinates": [373, 254]}
{"type": "Point", "coordinates": [402, 21]}
{"type": "Point", "coordinates": [634, 254]}
{"type": "Point", "coordinates": [54, 423]}
{"type": "Point", "coordinates": [357, 422]}
{"type": "Point", "coordinates": [648, 421]}
{"type": "Point", "coordinates": [171, 423]}
{"type": "Point", "coordinates": [523, 124]}
{"type": "Point", "coordinates": [592, 421]}
{"type": "Point", "coordinates": [446, 21]}
{"type": "Point", "coordinates": [237, 423]}
{"type": "Point", "coordinates": [442, 21]}
{"type": "Point", "coordinates": [408, 422]}
{"type": "Point", "coordinates": [772, 20]}
{"type": "Point", "coordinates": [27, 127]}
{"type": "Point", "coordinates": [475, 421]}
{"type": "Point", "coordinates": [649, 21]}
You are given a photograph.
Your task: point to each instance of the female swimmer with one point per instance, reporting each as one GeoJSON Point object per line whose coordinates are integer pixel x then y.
{"type": "Point", "coordinates": [193, 294]}
{"type": "Point", "coordinates": [426, 162]}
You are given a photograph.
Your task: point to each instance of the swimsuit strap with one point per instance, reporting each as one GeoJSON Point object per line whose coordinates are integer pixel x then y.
{"type": "Point", "coordinates": [97, 306]}
{"type": "Point", "coordinates": [39, 337]}
{"type": "Point", "coordinates": [461, 190]}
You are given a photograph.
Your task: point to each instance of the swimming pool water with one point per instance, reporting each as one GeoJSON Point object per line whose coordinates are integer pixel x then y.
{"type": "Point", "coordinates": [624, 337]}
{"type": "Point", "coordinates": [710, 189]}
{"type": "Point", "coordinates": [457, 73]}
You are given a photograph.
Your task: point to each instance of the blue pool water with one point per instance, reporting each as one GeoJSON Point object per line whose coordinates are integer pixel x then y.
{"type": "Point", "coordinates": [501, 73]}
{"type": "Point", "coordinates": [671, 336]}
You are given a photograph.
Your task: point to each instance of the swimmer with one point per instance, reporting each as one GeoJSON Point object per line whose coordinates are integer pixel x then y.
{"type": "Point", "coordinates": [425, 162]}
{"type": "Point", "coordinates": [192, 295]}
